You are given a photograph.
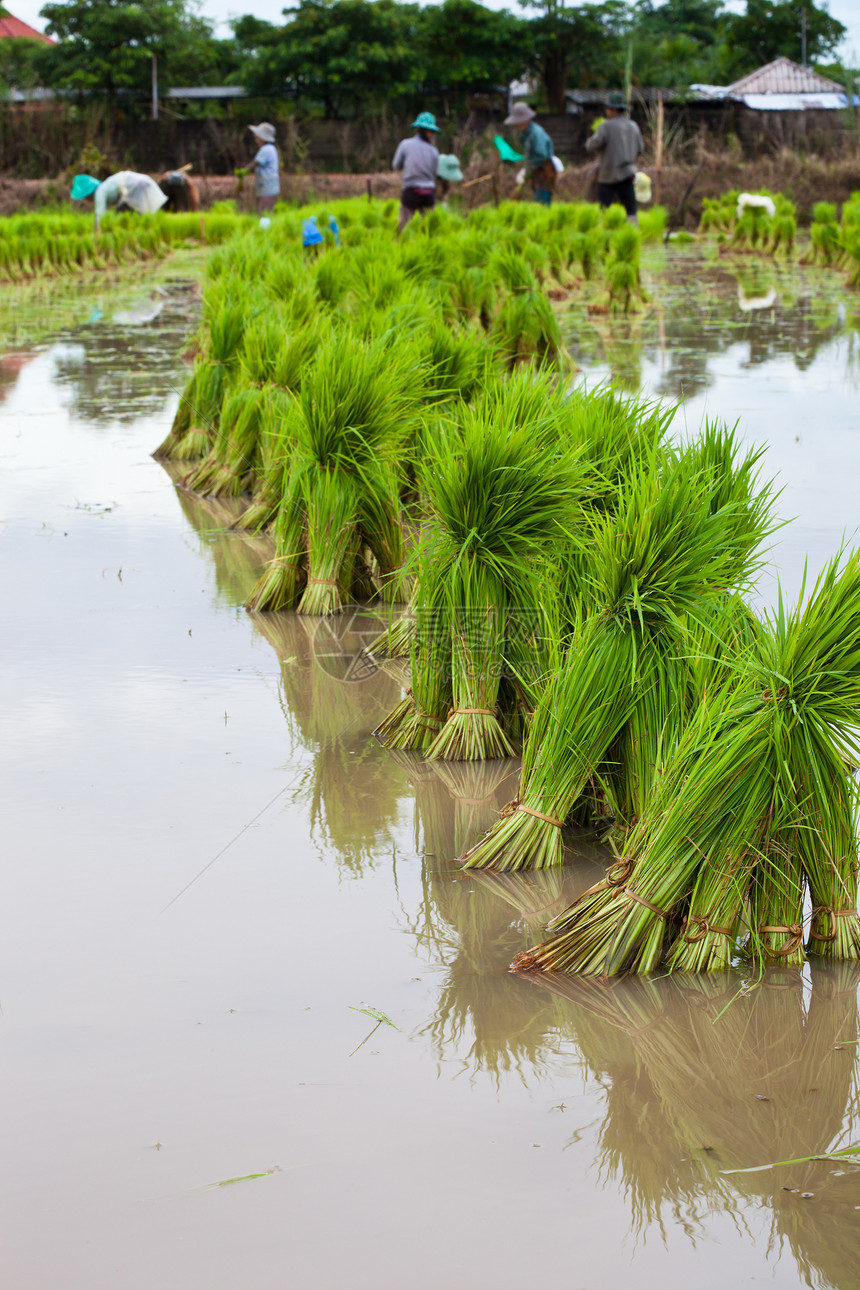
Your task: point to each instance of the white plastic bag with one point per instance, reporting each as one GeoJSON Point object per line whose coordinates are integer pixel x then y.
{"type": "Point", "coordinates": [642, 188]}
{"type": "Point", "coordinates": [559, 165]}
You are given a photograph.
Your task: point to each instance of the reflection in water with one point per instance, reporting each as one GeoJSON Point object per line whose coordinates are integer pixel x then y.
{"type": "Point", "coordinates": [333, 697]}
{"type": "Point", "coordinates": [118, 370]}
{"type": "Point", "coordinates": [703, 307]}
{"type": "Point", "coordinates": [238, 558]}
{"type": "Point", "coordinates": [697, 1078]}
{"type": "Point", "coordinates": [702, 1080]}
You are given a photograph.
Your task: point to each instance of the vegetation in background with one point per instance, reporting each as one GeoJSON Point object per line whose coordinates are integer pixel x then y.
{"type": "Point", "coordinates": [345, 58]}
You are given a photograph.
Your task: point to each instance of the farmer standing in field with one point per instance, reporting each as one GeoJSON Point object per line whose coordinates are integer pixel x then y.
{"type": "Point", "coordinates": [619, 142]}
{"type": "Point", "coordinates": [538, 152]}
{"type": "Point", "coordinates": [266, 167]}
{"type": "Point", "coordinates": [418, 158]}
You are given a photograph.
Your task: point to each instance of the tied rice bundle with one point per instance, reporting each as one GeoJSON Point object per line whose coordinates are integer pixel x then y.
{"type": "Point", "coordinates": [281, 584]}
{"type": "Point", "coordinates": [417, 720]}
{"type": "Point", "coordinates": [330, 501]}
{"type": "Point", "coordinates": [674, 544]}
{"type": "Point", "coordinates": [225, 324]}
{"type": "Point", "coordinates": [473, 731]}
{"type": "Point", "coordinates": [352, 418]}
{"type": "Point", "coordinates": [503, 502]}
{"type": "Point", "coordinates": [226, 471]}
{"type": "Point", "coordinates": [527, 330]}
{"type": "Point", "coordinates": [561, 751]}
{"type": "Point", "coordinates": [276, 443]}
{"type": "Point", "coordinates": [756, 795]}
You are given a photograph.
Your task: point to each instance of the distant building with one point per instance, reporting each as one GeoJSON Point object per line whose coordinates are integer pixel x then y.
{"type": "Point", "coordinates": [780, 86]}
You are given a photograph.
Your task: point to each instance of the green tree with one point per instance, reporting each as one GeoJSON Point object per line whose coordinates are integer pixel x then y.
{"type": "Point", "coordinates": [463, 46]}
{"type": "Point", "coordinates": [18, 56]}
{"type": "Point", "coordinates": [580, 46]}
{"type": "Point", "coordinates": [106, 46]}
{"type": "Point", "coordinates": [772, 28]}
{"type": "Point", "coordinates": [340, 54]}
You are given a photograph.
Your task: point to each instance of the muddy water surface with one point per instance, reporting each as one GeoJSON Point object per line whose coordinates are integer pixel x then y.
{"type": "Point", "coordinates": [210, 869]}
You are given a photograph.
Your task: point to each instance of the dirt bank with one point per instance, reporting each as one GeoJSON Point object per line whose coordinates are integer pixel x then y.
{"type": "Point", "coordinates": [805, 180]}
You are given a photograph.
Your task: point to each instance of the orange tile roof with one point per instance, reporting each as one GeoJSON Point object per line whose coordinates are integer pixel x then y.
{"type": "Point", "coordinates": [10, 26]}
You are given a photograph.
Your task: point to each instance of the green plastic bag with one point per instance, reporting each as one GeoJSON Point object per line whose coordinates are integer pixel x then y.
{"type": "Point", "coordinates": [506, 152]}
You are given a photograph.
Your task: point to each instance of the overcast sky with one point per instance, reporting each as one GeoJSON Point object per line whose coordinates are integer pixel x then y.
{"type": "Point", "coordinates": [847, 11]}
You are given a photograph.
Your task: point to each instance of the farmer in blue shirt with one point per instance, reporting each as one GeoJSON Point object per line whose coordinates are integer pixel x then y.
{"type": "Point", "coordinates": [267, 178]}
{"type": "Point", "coordinates": [538, 152]}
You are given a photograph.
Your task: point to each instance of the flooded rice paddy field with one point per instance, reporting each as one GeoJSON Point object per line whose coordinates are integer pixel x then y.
{"type": "Point", "coordinates": [210, 869]}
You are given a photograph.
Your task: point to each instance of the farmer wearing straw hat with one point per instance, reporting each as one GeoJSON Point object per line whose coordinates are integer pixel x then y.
{"type": "Point", "coordinates": [418, 158]}
{"type": "Point", "coordinates": [619, 142]}
{"type": "Point", "coordinates": [538, 152]}
{"type": "Point", "coordinates": [266, 167]}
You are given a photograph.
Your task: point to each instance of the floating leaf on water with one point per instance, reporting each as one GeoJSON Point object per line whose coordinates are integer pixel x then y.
{"type": "Point", "coordinates": [376, 1014]}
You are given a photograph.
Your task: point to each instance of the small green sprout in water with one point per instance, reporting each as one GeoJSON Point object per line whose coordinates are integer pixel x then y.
{"type": "Point", "coordinates": [379, 1017]}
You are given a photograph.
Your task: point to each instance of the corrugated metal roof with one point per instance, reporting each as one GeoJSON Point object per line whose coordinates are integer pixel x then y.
{"type": "Point", "coordinates": [782, 76]}
{"type": "Point", "coordinates": [207, 92]}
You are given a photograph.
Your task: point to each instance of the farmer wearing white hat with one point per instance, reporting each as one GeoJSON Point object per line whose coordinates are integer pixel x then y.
{"type": "Point", "coordinates": [266, 167]}
{"type": "Point", "coordinates": [538, 152]}
{"type": "Point", "coordinates": [418, 159]}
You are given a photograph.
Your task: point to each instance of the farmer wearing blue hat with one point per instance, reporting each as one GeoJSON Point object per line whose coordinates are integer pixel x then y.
{"type": "Point", "coordinates": [418, 158]}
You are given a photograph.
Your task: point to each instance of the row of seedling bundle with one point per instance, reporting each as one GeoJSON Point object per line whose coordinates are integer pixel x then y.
{"type": "Point", "coordinates": [576, 582]}
{"type": "Point", "coordinates": [324, 378]}
{"type": "Point", "coordinates": [765, 223]}
{"type": "Point", "coordinates": [52, 243]}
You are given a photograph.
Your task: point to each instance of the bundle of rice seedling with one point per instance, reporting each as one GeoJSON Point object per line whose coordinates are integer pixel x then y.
{"type": "Point", "coordinates": [192, 433]}
{"type": "Point", "coordinates": [526, 330]}
{"type": "Point", "coordinates": [655, 564]}
{"type": "Point", "coordinates": [226, 470]}
{"type": "Point", "coordinates": [757, 783]}
{"type": "Point", "coordinates": [623, 292]}
{"type": "Point", "coordinates": [501, 501]}
{"type": "Point", "coordinates": [352, 418]}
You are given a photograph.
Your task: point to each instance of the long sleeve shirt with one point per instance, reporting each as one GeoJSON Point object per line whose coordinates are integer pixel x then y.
{"type": "Point", "coordinates": [419, 162]}
{"type": "Point", "coordinates": [538, 147]}
{"type": "Point", "coordinates": [619, 142]}
{"type": "Point", "coordinates": [139, 192]}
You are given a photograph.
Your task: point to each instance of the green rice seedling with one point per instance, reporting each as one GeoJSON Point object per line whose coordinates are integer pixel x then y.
{"type": "Point", "coordinates": [353, 417]}
{"type": "Point", "coordinates": [653, 565]}
{"type": "Point", "coordinates": [753, 791]}
{"type": "Point", "coordinates": [501, 502]}
{"type": "Point", "coordinates": [276, 443]}
{"type": "Point", "coordinates": [719, 213]}
{"type": "Point", "coordinates": [458, 364]}
{"type": "Point", "coordinates": [473, 297]}
{"type": "Point", "coordinates": [283, 580]}
{"type": "Point", "coordinates": [652, 224]}
{"type": "Point", "coordinates": [526, 329]}
{"type": "Point", "coordinates": [824, 235]}
{"type": "Point", "coordinates": [226, 471]}
{"type": "Point", "coordinates": [332, 508]}
{"type": "Point", "coordinates": [416, 721]}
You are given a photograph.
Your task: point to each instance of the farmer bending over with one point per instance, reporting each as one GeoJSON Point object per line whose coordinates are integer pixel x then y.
{"type": "Point", "coordinates": [619, 142]}
{"type": "Point", "coordinates": [418, 158]}
{"type": "Point", "coordinates": [126, 190]}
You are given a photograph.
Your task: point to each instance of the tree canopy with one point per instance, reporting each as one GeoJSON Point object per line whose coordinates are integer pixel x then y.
{"type": "Point", "coordinates": [357, 57]}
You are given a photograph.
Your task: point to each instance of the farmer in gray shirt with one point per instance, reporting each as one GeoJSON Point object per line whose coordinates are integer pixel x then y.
{"type": "Point", "coordinates": [418, 158]}
{"type": "Point", "coordinates": [619, 142]}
